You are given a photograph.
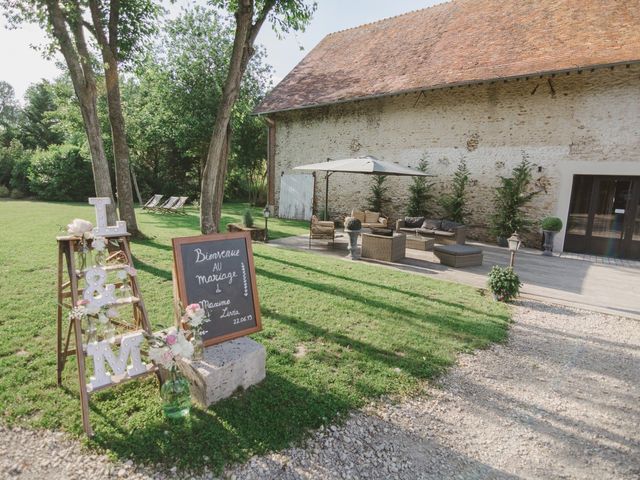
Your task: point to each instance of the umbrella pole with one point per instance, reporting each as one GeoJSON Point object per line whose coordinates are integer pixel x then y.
{"type": "Point", "coordinates": [326, 195]}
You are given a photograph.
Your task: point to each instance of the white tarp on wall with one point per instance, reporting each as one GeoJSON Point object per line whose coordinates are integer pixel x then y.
{"type": "Point", "coordinates": [296, 197]}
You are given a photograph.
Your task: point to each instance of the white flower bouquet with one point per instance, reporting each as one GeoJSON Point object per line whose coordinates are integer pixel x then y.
{"type": "Point", "coordinates": [194, 317]}
{"type": "Point", "coordinates": [169, 346]}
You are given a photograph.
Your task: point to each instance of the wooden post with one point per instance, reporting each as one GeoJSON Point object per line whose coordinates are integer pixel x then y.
{"type": "Point", "coordinates": [271, 161]}
{"type": "Point", "coordinates": [59, 362]}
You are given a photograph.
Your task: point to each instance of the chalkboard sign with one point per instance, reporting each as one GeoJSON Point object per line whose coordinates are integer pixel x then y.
{"type": "Point", "coordinates": [217, 272]}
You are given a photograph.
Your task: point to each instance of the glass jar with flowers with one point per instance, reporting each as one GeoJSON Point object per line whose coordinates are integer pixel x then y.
{"type": "Point", "coordinates": [83, 229]}
{"type": "Point", "coordinates": [125, 291]}
{"type": "Point", "coordinates": [194, 317]}
{"type": "Point", "coordinates": [99, 247]}
{"type": "Point", "coordinates": [165, 350]}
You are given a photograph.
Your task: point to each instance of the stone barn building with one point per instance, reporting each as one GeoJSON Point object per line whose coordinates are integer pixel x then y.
{"type": "Point", "coordinates": [490, 82]}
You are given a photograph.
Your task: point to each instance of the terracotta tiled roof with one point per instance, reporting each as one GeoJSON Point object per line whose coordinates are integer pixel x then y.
{"type": "Point", "coordinates": [458, 42]}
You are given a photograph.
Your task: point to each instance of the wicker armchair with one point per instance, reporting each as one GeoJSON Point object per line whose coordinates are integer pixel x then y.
{"type": "Point", "coordinates": [383, 247]}
{"type": "Point", "coordinates": [321, 230]}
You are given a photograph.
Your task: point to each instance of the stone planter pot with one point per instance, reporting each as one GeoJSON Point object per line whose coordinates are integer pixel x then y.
{"type": "Point", "coordinates": [549, 235]}
{"type": "Point", "coordinates": [354, 253]}
{"type": "Point", "coordinates": [257, 233]}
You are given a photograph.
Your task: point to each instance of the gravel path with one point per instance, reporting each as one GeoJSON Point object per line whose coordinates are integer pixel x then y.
{"type": "Point", "coordinates": [560, 400]}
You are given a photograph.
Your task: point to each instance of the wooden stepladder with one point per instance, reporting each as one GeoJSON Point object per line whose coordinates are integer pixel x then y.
{"type": "Point", "coordinates": [72, 282]}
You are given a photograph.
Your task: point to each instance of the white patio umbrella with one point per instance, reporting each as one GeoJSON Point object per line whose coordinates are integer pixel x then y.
{"type": "Point", "coordinates": [367, 165]}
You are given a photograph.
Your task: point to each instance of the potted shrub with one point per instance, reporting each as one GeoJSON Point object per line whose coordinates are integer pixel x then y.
{"type": "Point", "coordinates": [504, 283]}
{"type": "Point", "coordinates": [351, 223]}
{"type": "Point", "coordinates": [550, 226]}
{"type": "Point", "coordinates": [247, 219]}
{"type": "Point", "coordinates": [511, 199]}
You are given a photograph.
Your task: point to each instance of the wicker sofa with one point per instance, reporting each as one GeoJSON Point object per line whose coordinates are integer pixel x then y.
{"type": "Point", "coordinates": [383, 247]}
{"type": "Point", "coordinates": [443, 231]}
{"type": "Point", "coordinates": [370, 219]}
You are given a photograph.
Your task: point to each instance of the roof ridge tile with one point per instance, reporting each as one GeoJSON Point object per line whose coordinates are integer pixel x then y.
{"type": "Point", "coordinates": [460, 42]}
{"type": "Point", "coordinates": [392, 17]}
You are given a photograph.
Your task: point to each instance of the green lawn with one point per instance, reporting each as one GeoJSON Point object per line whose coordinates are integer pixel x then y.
{"type": "Point", "coordinates": [365, 331]}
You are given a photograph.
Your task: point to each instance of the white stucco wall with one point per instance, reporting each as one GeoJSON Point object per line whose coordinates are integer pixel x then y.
{"type": "Point", "coordinates": [586, 123]}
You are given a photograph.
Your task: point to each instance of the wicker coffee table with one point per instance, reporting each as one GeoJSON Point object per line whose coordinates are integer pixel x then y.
{"type": "Point", "coordinates": [417, 242]}
{"type": "Point", "coordinates": [458, 255]}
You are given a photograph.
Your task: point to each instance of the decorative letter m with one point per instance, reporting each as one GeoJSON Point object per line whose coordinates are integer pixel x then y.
{"type": "Point", "coordinates": [101, 351]}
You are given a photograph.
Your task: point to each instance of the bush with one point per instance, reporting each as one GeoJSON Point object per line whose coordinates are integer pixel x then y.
{"type": "Point", "coordinates": [455, 205]}
{"type": "Point", "coordinates": [378, 198]}
{"type": "Point", "coordinates": [14, 164]}
{"type": "Point", "coordinates": [61, 173]}
{"type": "Point", "coordinates": [20, 173]}
{"type": "Point", "coordinates": [419, 193]}
{"type": "Point", "coordinates": [247, 219]}
{"type": "Point", "coordinates": [17, 194]}
{"type": "Point", "coordinates": [511, 198]}
{"type": "Point", "coordinates": [4, 191]}
{"type": "Point", "coordinates": [553, 224]}
{"type": "Point", "coordinates": [504, 283]}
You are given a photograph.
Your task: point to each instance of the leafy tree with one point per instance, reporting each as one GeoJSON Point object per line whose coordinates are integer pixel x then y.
{"type": "Point", "coordinates": [511, 199]}
{"type": "Point", "coordinates": [119, 27]}
{"type": "Point", "coordinates": [64, 22]}
{"type": "Point", "coordinates": [37, 124]}
{"type": "Point", "coordinates": [8, 113]}
{"type": "Point", "coordinates": [378, 197]}
{"type": "Point", "coordinates": [250, 15]}
{"type": "Point", "coordinates": [455, 204]}
{"type": "Point", "coordinates": [169, 106]}
{"type": "Point", "coordinates": [420, 193]}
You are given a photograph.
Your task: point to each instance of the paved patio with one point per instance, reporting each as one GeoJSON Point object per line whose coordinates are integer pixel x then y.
{"type": "Point", "coordinates": [595, 283]}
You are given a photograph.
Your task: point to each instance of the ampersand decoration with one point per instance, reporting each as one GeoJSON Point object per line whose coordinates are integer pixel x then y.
{"type": "Point", "coordinates": [96, 291]}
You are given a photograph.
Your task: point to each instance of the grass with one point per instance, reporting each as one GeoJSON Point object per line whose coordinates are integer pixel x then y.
{"type": "Point", "coordinates": [338, 334]}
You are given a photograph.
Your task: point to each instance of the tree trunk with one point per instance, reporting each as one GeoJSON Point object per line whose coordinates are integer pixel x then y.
{"type": "Point", "coordinates": [120, 149]}
{"type": "Point", "coordinates": [215, 170]}
{"type": "Point", "coordinates": [79, 65]}
{"type": "Point", "coordinates": [109, 49]}
{"type": "Point", "coordinates": [100, 165]}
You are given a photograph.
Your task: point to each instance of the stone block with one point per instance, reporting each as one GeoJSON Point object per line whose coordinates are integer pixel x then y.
{"type": "Point", "coordinates": [238, 363]}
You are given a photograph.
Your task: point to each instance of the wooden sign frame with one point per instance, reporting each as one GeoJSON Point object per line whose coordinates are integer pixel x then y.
{"type": "Point", "coordinates": [180, 287]}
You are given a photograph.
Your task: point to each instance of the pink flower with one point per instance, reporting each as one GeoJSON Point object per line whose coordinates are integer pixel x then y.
{"type": "Point", "coordinates": [194, 307]}
{"type": "Point", "coordinates": [82, 302]}
{"type": "Point", "coordinates": [171, 339]}
{"type": "Point", "coordinates": [167, 356]}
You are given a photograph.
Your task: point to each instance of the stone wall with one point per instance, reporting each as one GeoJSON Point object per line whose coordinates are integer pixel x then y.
{"type": "Point", "coordinates": [559, 123]}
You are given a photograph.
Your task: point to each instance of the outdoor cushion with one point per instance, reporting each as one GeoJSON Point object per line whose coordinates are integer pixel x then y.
{"type": "Point", "coordinates": [458, 250]}
{"type": "Point", "coordinates": [431, 224]}
{"type": "Point", "coordinates": [371, 217]}
{"type": "Point", "coordinates": [386, 232]}
{"type": "Point", "coordinates": [413, 222]}
{"type": "Point", "coordinates": [358, 214]}
{"type": "Point", "coordinates": [411, 230]}
{"type": "Point", "coordinates": [449, 226]}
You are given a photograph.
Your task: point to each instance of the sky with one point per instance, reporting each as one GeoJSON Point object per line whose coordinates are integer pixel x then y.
{"type": "Point", "coordinates": [22, 65]}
